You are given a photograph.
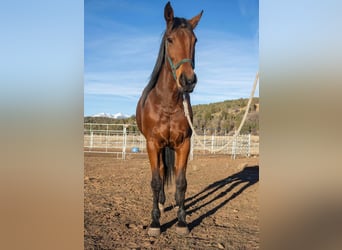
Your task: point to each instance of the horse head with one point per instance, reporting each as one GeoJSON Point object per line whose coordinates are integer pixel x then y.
{"type": "Point", "coordinates": [180, 41]}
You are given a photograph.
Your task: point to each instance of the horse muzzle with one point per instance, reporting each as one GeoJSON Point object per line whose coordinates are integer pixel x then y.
{"type": "Point", "coordinates": [187, 84]}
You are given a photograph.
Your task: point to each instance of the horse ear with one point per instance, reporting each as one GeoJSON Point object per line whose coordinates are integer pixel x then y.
{"type": "Point", "coordinates": [168, 14]}
{"type": "Point", "coordinates": [194, 21]}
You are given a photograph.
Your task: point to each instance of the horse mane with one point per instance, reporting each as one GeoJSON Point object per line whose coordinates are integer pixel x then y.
{"type": "Point", "coordinates": [156, 71]}
{"type": "Point", "coordinates": [177, 22]}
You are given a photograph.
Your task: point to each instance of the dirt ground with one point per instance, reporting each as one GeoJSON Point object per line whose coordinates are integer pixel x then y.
{"type": "Point", "coordinates": [221, 202]}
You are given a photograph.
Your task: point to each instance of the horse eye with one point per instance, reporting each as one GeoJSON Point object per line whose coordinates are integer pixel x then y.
{"type": "Point", "coordinates": [169, 39]}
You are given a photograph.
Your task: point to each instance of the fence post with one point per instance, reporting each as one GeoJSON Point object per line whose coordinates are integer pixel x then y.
{"type": "Point", "coordinates": [234, 147]}
{"type": "Point", "coordinates": [91, 140]}
{"type": "Point", "coordinates": [205, 139]}
{"type": "Point", "coordinates": [226, 141]}
{"type": "Point", "coordinates": [124, 142]}
{"type": "Point", "coordinates": [91, 137]}
{"type": "Point", "coordinates": [107, 139]}
{"type": "Point", "coordinates": [212, 143]}
{"type": "Point", "coordinates": [249, 145]}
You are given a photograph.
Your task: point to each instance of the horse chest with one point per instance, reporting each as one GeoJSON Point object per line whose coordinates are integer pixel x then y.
{"type": "Point", "coordinates": [170, 131]}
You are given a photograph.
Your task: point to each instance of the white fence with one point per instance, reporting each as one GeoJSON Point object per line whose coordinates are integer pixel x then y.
{"type": "Point", "coordinates": [123, 139]}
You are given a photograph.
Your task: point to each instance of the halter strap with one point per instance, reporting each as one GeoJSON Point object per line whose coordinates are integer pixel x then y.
{"type": "Point", "coordinates": [174, 67]}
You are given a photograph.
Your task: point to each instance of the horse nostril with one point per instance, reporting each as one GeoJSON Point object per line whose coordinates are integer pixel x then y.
{"type": "Point", "coordinates": [192, 80]}
{"type": "Point", "coordinates": [188, 81]}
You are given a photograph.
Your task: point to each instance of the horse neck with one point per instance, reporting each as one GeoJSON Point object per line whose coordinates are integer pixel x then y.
{"type": "Point", "coordinates": [167, 90]}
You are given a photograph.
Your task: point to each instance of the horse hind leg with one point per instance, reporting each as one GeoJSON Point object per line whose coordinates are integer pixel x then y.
{"type": "Point", "coordinates": [161, 200]}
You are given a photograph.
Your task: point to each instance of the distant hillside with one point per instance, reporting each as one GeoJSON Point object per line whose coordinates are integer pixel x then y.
{"type": "Point", "coordinates": [109, 120]}
{"type": "Point", "coordinates": [220, 118]}
{"type": "Point", "coordinates": [115, 116]}
{"type": "Point", "coordinates": [225, 117]}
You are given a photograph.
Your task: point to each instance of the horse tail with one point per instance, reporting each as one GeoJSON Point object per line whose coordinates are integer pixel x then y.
{"type": "Point", "coordinates": [169, 164]}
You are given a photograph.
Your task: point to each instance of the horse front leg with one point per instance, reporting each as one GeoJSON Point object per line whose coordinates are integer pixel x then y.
{"type": "Point", "coordinates": [161, 201]}
{"type": "Point", "coordinates": [156, 185]}
{"type": "Point", "coordinates": [181, 185]}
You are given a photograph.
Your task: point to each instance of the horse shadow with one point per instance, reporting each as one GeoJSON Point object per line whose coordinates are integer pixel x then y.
{"type": "Point", "coordinates": [248, 176]}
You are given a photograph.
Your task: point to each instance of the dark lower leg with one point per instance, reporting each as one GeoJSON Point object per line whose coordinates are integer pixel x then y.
{"type": "Point", "coordinates": [162, 194]}
{"type": "Point", "coordinates": [156, 185]}
{"type": "Point", "coordinates": [181, 185]}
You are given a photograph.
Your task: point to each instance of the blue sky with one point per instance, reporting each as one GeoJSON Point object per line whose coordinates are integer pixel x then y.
{"type": "Point", "coordinates": [122, 39]}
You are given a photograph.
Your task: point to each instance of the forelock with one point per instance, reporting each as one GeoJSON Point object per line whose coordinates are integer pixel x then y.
{"type": "Point", "coordinates": [180, 23]}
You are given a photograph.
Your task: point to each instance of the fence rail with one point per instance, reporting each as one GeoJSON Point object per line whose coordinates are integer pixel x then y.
{"type": "Point", "coordinates": [123, 139]}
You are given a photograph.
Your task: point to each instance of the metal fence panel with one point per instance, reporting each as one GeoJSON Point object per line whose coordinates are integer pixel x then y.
{"type": "Point", "coordinates": [123, 139]}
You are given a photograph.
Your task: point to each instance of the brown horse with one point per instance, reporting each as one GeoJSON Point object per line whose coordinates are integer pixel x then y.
{"type": "Point", "coordinates": [160, 114]}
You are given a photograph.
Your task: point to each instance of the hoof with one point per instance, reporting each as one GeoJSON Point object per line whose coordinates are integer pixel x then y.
{"type": "Point", "coordinates": [182, 230]}
{"type": "Point", "coordinates": [153, 231]}
{"type": "Point", "coordinates": [161, 207]}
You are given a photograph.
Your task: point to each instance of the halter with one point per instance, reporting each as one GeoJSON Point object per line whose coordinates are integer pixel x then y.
{"type": "Point", "coordinates": [174, 67]}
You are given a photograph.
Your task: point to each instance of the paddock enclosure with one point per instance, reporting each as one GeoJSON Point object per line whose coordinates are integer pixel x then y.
{"type": "Point", "coordinates": [125, 139]}
{"type": "Point", "coordinates": [221, 202]}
